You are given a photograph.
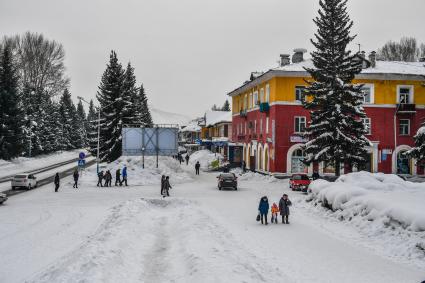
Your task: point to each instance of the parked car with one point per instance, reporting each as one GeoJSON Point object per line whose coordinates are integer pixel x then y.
{"type": "Point", "coordinates": [3, 198]}
{"type": "Point", "coordinates": [227, 180]}
{"type": "Point", "coordinates": [27, 181]}
{"type": "Point", "coordinates": [299, 182]}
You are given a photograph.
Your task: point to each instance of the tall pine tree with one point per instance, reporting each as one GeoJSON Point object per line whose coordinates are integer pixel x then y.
{"type": "Point", "coordinates": [11, 131]}
{"type": "Point", "coordinates": [418, 151]}
{"type": "Point", "coordinates": [67, 112]}
{"type": "Point", "coordinates": [113, 108]}
{"type": "Point", "coordinates": [336, 133]}
{"type": "Point", "coordinates": [129, 96]}
{"type": "Point", "coordinates": [142, 113]}
{"type": "Point", "coordinates": [92, 128]}
{"type": "Point", "coordinates": [226, 106]}
{"type": "Point", "coordinates": [82, 124]}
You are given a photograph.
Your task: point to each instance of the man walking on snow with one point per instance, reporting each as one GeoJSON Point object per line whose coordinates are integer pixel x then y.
{"type": "Point", "coordinates": [124, 176]}
{"type": "Point", "coordinates": [76, 176]}
{"type": "Point", "coordinates": [118, 177]}
{"type": "Point", "coordinates": [187, 159]}
{"type": "Point", "coordinates": [56, 182]}
{"type": "Point", "coordinates": [197, 166]}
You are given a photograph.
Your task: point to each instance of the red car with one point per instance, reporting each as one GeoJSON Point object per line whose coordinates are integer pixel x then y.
{"type": "Point", "coordinates": [299, 182]}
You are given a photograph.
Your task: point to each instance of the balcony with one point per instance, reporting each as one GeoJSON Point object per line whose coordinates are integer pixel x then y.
{"type": "Point", "coordinates": [406, 108]}
{"type": "Point", "coordinates": [243, 113]}
{"type": "Point", "coordinates": [264, 107]}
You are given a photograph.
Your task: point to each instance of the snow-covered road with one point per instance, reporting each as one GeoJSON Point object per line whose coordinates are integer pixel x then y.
{"type": "Point", "coordinates": [199, 233]}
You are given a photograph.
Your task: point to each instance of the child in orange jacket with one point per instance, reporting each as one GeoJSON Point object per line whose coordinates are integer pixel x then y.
{"type": "Point", "coordinates": [275, 210]}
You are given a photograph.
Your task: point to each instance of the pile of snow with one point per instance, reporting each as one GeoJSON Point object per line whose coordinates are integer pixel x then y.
{"type": "Point", "coordinates": [25, 164]}
{"type": "Point", "coordinates": [163, 117]}
{"type": "Point", "coordinates": [139, 176]}
{"type": "Point", "coordinates": [381, 205]}
{"type": "Point", "coordinates": [205, 157]}
{"type": "Point", "coordinates": [250, 176]}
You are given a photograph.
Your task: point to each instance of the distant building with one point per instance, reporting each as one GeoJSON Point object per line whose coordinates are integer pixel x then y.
{"type": "Point", "coordinates": [190, 133]}
{"type": "Point", "coordinates": [269, 119]}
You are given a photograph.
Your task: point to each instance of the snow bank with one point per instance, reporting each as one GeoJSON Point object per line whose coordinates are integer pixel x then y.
{"type": "Point", "coordinates": [250, 176]}
{"type": "Point", "coordinates": [205, 157]}
{"type": "Point", "coordinates": [139, 176]}
{"type": "Point", "coordinates": [381, 205]}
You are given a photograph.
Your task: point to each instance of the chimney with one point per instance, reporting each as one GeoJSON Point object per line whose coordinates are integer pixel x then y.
{"type": "Point", "coordinates": [372, 59]}
{"type": "Point", "coordinates": [298, 55]}
{"type": "Point", "coordinates": [284, 59]}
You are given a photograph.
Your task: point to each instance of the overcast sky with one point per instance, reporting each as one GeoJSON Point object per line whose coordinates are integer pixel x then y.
{"type": "Point", "coordinates": [190, 53]}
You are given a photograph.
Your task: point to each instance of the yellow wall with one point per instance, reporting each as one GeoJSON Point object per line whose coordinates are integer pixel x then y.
{"type": "Point", "coordinates": [283, 89]}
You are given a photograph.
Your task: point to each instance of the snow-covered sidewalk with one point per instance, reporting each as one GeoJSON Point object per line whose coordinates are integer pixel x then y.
{"type": "Point", "coordinates": [130, 234]}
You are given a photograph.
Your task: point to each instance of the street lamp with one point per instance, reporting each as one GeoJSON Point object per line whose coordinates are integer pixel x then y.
{"type": "Point", "coordinates": [98, 127]}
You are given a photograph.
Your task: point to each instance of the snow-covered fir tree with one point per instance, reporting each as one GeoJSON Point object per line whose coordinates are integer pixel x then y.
{"type": "Point", "coordinates": [418, 151]}
{"type": "Point", "coordinates": [142, 113]}
{"type": "Point", "coordinates": [336, 133]}
{"type": "Point", "coordinates": [68, 123]}
{"type": "Point", "coordinates": [11, 131]}
{"type": "Point", "coordinates": [226, 106]}
{"type": "Point", "coordinates": [82, 123]}
{"type": "Point", "coordinates": [129, 96]}
{"type": "Point", "coordinates": [113, 108]}
{"type": "Point", "coordinates": [92, 122]}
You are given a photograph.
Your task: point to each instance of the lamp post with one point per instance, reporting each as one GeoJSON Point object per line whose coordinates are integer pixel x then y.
{"type": "Point", "coordinates": [98, 128]}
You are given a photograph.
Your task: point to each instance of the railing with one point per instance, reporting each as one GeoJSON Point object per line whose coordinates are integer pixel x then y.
{"type": "Point", "coordinates": [406, 108]}
{"type": "Point", "coordinates": [264, 107]}
{"type": "Point", "coordinates": [243, 113]}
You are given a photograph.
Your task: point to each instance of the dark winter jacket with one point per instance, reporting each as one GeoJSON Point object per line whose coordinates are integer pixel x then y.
{"type": "Point", "coordinates": [187, 157]}
{"type": "Point", "coordinates": [117, 174]}
{"type": "Point", "coordinates": [197, 165]}
{"type": "Point", "coordinates": [57, 179]}
{"type": "Point", "coordinates": [167, 185]}
{"type": "Point", "coordinates": [124, 172]}
{"type": "Point", "coordinates": [100, 175]}
{"type": "Point", "coordinates": [76, 175]}
{"type": "Point", "coordinates": [284, 206]}
{"type": "Point", "coordinates": [263, 207]}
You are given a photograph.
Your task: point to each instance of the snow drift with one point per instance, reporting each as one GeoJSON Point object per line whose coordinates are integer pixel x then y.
{"type": "Point", "coordinates": [205, 157]}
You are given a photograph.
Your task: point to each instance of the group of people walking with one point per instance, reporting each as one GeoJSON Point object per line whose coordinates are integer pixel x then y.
{"type": "Point", "coordinates": [107, 176]}
{"type": "Point", "coordinates": [283, 209]}
{"type": "Point", "coordinates": [165, 186]}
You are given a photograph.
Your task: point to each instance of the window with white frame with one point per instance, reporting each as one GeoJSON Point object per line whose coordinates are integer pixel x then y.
{"type": "Point", "coordinates": [405, 94]}
{"type": "Point", "coordinates": [368, 93]}
{"type": "Point", "coordinates": [267, 93]}
{"type": "Point", "coordinates": [261, 95]}
{"type": "Point", "coordinates": [255, 99]}
{"type": "Point", "coordinates": [267, 125]}
{"type": "Point", "coordinates": [404, 127]}
{"type": "Point", "coordinates": [368, 125]}
{"type": "Point", "coordinates": [299, 93]}
{"type": "Point", "coordinates": [300, 124]}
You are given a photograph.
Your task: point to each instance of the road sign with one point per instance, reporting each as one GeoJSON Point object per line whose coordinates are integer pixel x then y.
{"type": "Point", "coordinates": [82, 155]}
{"type": "Point", "coordinates": [81, 162]}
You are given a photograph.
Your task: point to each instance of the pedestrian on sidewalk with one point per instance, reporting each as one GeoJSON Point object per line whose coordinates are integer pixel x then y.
{"type": "Point", "coordinates": [180, 158]}
{"type": "Point", "coordinates": [76, 176]}
{"type": "Point", "coordinates": [167, 187]}
{"type": "Point", "coordinates": [118, 177]}
{"type": "Point", "coordinates": [263, 209]}
{"type": "Point", "coordinates": [274, 211]}
{"type": "Point", "coordinates": [162, 184]}
{"type": "Point", "coordinates": [197, 166]}
{"type": "Point", "coordinates": [244, 166]}
{"type": "Point", "coordinates": [108, 179]}
{"type": "Point", "coordinates": [187, 158]}
{"type": "Point", "coordinates": [284, 205]}
{"type": "Point", "coordinates": [124, 176]}
{"type": "Point", "coordinates": [56, 182]}
{"type": "Point", "coordinates": [100, 179]}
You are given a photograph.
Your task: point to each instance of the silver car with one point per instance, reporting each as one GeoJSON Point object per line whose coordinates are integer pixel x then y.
{"type": "Point", "coordinates": [27, 181]}
{"type": "Point", "coordinates": [3, 198]}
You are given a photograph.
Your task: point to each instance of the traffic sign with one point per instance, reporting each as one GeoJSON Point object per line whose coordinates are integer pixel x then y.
{"type": "Point", "coordinates": [82, 155]}
{"type": "Point", "coordinates": [81, 162]}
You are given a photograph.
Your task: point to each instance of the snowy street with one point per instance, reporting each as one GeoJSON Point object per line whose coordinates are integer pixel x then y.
{"type": "Point", "coordinates": [130, 234]}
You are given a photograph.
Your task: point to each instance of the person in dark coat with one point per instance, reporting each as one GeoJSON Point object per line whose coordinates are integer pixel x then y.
{"type": "Point", "coordinates": [124, 176]}
{"type": "Point", "coordinates": [100, 178]}
{"type": "Point", "coordinates": [56, 182]}
{"type": "Point", "coordinates": [187, 159]}
{"type": "Point", "coordinates": [180, 158]}
{"type": "Point", "coordinates": [263, 209]}
{"type": "Point", "coordinates": [244, 166]}
{"type": "Point", "coordinates": [197, 167]}
{"type": "Point", "coordinates": [315, 175]}
{"type": "Point", "coordinates": [108, 179]}
{"type": "Point", "coordinates": [76, 176]}
{"type": "Point", "coordinates": [167, 187]}
{"type": "Point", "coordinates": [117, 177]}
{"type": "Point", "coordinates": [284, 205]}
{"type": "Point", "coordinates": [162, 184]}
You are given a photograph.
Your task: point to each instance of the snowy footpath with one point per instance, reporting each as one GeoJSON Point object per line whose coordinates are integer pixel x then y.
{"type": "Point", "coordinates": [130, 234]}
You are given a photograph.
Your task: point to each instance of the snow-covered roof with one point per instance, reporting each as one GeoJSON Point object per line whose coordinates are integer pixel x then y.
{"type": "Point", "coordinates": [384, 70]}
{"type": "Point", "coordinates": [192, 126]}
{"type": "Point", "coordinates": [214, 117]}
{"type": "Point", "coordinates": [382, 67]}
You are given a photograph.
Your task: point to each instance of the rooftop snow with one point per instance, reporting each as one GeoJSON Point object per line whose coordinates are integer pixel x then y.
{"type": "Point", "coordinates": [214, 117]}
{"type": "Point", "coordinates": [192, 126]}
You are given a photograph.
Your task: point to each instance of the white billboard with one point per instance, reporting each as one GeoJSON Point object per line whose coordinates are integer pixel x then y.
{"type": "Point", "coordinates": [158, 140]}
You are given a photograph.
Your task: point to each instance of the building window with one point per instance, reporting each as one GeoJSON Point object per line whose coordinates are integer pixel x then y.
{"type": "Point", "coordinates": [250, 100]}
{"type": "Point", "coordinates": [245, 102]}
{"type": "Point", "coordinates": [405, 94]}
{"type": "Point", "coordinates": [267, 125]}
{"type": "Point", "coordinates": [255, 126]}
{"type": "Point", "coordinates": [368, 93]}
{"type": "Point", "coordinates": [261, 126]}
{"type": "Point", "coordinates": [261, 95]}
{"type": "Point", "coordinates": [267, 93]}
{"type": "Point", "coordinates": [299, 93]}
{"type": "Point", "coordinates": [368, 125]}
{"type": "Point", "coordinates": [300, 124]}
{"type": "Point", "coordinates": [404, 127]}
{"type": "Point", "coordinates": [255, 99]}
